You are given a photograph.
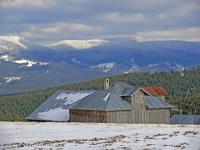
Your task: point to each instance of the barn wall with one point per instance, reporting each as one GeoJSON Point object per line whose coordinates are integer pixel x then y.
{"type": "Point", "coordinates": [154, 116]}
{"type": "Point", "coordinates": [138, 114]}
{"type": "Point", "coordinates": [120, 117]}
{"type": "Point", "coordinates": [87, 116]}
{"type": "Point", "coordinates": [161, 116]}
{"type": "Point", "coordinates": [139, 99]}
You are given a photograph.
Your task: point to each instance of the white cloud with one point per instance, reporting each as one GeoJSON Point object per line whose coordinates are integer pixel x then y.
{"type": "Point", "coordinates": [60, 29]}
{"type": "Point", "coordinates": [182, 10]}
{"type": "Point", "coordinates": [123, 18]}
{"type": "Point", "coordinates": [25, 3]}
{"type": "Point", "coordinates": [83, 28]}
{"type": "Point", "coordinates": [186, 34]}
{"type": "Point", "coordinates": [186, 8]}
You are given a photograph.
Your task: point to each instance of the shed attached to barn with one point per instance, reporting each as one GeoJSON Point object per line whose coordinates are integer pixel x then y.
{"type": "Point", "coordinates": [185, 119]}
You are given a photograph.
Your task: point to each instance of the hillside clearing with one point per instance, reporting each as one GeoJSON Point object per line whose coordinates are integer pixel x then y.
{"type": "Point", "coordinates": [33, 135]}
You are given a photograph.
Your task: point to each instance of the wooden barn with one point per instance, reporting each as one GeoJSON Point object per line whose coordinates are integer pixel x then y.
{"type": "Point", "coordinates": [121, 103]}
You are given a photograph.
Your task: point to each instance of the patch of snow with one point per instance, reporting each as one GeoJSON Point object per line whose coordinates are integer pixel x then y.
{"type": "Point", "coordinates": [27, 63]}
{"type": "Point", "coordinates": [24, 62]}
{"type": "Point", "coordinates": [81, 44]}
{"type": "Point", "coordinates": [98, 136]}
{"type": "Point", "coordinates": [105, 67]}
{"type": "Point", "coordinates": [167, 64]}
{"type": "Point", "coordinates": [76, 96]}
{"type": "Point", "coordinates": [180, 67]}
{"type": "Point", "coordinates": [134, 67]}
{"type": "Point", "coordinates": [74, 60]}
{"type": "Point", "coordinates": [57, 114]}
{"type": "Point", "coordinates": [42, 63]}
{"type": "Point", "coordinates": [61, 96]}
{"type": "Point", "coordinates": [182, 74]}
{"type": "Point", "coordinates": [6, 57]}
{"type": "Point", "coordinates": [106, 97]}
{"type": "Point", "coordinates": [152, 65]}
{"type": "Point", "coordinates": [47, 71]}
{"type": "Point", "coordinates": [13, 39]}
{"type": "Point", "coordinates": [13, 78]}
{"type": "Point", "coordinates": [30, 63]}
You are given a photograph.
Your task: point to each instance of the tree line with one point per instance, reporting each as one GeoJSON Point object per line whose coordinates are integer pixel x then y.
{"type": "Point", "coordinates": [184, 89]}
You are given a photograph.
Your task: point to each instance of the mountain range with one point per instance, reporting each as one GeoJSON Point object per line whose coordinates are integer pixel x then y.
{"type": "Point", "coordinates": [26, 65]}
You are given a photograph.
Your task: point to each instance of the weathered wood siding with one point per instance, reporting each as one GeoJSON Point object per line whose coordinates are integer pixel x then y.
{"type": "Point", "coordinates": [87, 116]}
{"type": "Point", "coordinates": [160, 116]}
{"type": "Point", "coordinates": [138, 114]}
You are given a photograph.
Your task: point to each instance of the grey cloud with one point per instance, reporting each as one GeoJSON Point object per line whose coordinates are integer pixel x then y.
{"type": "Point", "coordinates": [23, 4]}
{"type": "Point", "coordinates": [89, 18]}
{"type": "Point", "coordinates": [187, 34]}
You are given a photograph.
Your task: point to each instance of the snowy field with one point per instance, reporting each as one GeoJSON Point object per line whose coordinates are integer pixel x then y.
{"type": "Point", "coordinates": [89, 136]}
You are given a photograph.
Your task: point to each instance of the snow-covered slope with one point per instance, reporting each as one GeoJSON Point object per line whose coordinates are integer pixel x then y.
{"type": "Point", "coordinates": [90, 136]}
{"type": "Point", "coordinates": [12, 78]}
{"type": "Point", "coordinates": [104, 67]}
{"type": "Point", "coordinates": [75, 60]}
{"type": "Point", "coordinates": [9, 43]}
{"type": "Point", "coordinates": [21, 61]}
{"type": "Point", "coordinates": [80, 44]}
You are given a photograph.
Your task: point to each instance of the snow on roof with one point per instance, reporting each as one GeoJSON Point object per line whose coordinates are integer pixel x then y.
{"type": "Point", "coordinates": [76, 96]}
{"type": "Point", "coordinates": [53, 108]}
{"type": "Point", "coordinates": [57, 114]}
{"type": "Point", "coordinates": [106, 97]}
{"type": "Point", "coordinates": [61, 96]}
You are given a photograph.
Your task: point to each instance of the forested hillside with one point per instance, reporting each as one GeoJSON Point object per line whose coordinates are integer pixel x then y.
{"type": "Point", "coordinates": [184, 89]}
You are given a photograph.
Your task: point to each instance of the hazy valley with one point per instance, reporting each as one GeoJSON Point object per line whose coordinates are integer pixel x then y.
{"type": "Point", "coordinates": [25, 65]}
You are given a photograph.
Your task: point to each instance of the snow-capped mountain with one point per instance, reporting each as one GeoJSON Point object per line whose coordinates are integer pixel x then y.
{"type": "Point", "coordinates": [19, 46]}
{"type": "Point", "coordinates": [75, 60]}
{"type": "Point", "coordinates": [79, 44]}
{"type": "Point", "coordinates": [9, 43]}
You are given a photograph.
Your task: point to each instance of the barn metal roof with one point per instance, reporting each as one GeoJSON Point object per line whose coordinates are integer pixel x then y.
{"type": "Point", "coordinates": [185, 119]}
{"type": "Point", "coordinates": [125, 89]}
{"type": "Point", "coordinates": [114, 101]}
{"type": "Point", "coordinates": [154, 103]}
{"type": "Point", "coordinates": [156, 91]}
{"type": "Point", "coordinates": [56, 107]}
{"type": "Point", "coordinates": [103, 100]}
{"type": "Point", "coordinates": [53, 108]}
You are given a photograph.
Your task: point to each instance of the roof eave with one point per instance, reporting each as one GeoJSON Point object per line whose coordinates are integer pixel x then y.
{"type": "Point", "coordinates": [140, 88]}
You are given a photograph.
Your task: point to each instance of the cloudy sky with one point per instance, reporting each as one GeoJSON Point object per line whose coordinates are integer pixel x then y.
{"type": "Point", "coordinates": [52, 20]}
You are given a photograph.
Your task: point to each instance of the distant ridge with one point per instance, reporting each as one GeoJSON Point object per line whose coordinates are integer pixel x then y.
{"type": "Point", "coordinates": [80, 44]}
